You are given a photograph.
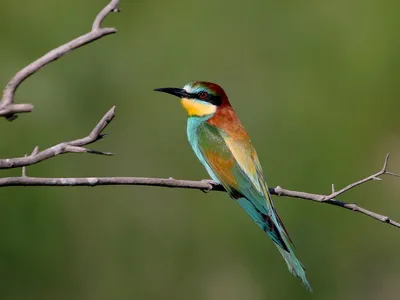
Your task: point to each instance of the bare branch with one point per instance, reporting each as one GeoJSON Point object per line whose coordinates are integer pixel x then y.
{"type": "Point", "coordinates": [375, 176]}
{"type": "Point", "coordinates": [8, 108]}
{"type": "Point", "coordinates": [111, 7]}
{"type": "Point", "coordinates": [24, 168]}
{"type": "Point", "coordinates": [204, 185]}
{"type": "Point", "coordinates": [75, 146]}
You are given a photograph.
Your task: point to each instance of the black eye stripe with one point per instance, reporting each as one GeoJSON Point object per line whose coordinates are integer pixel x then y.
{"type": "Point", "coordinates": [216, 100]}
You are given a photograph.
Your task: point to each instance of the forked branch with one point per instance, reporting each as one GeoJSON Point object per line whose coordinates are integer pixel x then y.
{"type": "Point", "coordinates": [375, 176]}
{"type": "Point", "coordinates": [77, 146]}
{"type": "Point", "coordinates": [203, 185]}
{"type": "Point", "coordinates": [8, 108]}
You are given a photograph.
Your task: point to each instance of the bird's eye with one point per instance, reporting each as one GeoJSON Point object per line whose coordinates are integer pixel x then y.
{"type": "Point", "coordinates": [203, 95]}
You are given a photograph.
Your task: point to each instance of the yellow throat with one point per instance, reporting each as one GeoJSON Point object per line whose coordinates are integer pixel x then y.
{"type": "Point", "coordinates": [198, 109]}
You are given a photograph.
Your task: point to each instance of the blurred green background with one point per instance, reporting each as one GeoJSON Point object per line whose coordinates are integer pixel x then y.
{"type": "Point", "coordinates": [314, 82]}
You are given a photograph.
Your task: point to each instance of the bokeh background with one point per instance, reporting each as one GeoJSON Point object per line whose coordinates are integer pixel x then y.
{"type": "Point", "coordinates": [316, 83]}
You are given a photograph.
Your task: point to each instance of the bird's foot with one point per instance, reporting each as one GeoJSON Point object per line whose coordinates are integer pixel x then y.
{"type": "Point", "coordinates": [211, 184]}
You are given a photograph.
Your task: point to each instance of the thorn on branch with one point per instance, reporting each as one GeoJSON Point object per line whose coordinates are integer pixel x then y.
{"type": "Point", "coordinates": [375, 176]}
{"type": "Point", "coordinates": [75, 146]}
{"type": "Point", "coordinates": [392, 174]}
{"type": "Point", "coordinates": [385, 164]}
{"type": "Point", "coordinates": [35, 151]}
{"type": "Point", "coordinates": [24, 168]}
{"type": "Point", "coordinates": [99, 152]}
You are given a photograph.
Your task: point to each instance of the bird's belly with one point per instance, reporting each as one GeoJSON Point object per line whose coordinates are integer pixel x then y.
{"type": "Point", "coordinates": [193, 125]}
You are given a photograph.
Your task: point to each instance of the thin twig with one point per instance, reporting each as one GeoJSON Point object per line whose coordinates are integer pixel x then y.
{"type": "Point", "coordinates": [375, 176]}
{"type": "Point", "coordinates": [8, 108]}
{"type": "Point", "coordinates": [34, 152]}
{"type": "Point", "coordinates": [75, 146]}
{"type": "Point", "coordinates": [24, 168]}
{"type": "Point", "coordinates": [204, 185]}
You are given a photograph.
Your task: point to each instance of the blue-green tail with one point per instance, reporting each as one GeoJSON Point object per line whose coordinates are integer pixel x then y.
{"type": "Point", "coordinates": [273, 226]}
{"type": "Point", "coordinates": [295, 266]}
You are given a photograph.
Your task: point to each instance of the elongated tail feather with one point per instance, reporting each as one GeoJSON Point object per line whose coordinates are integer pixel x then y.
{"type": "Point", "coordinates": [230, 159]}
{"type": "Point", "coordinates": [272, 226]}
{"type": "Point", "coordinates": [295, 267]}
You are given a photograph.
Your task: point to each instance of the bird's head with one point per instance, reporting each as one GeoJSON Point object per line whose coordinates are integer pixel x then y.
{"type": "Point", "coordinates": [199, 98]}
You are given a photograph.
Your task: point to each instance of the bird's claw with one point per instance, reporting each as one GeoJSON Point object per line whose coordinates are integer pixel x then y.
{"type": "Point", "coordinates": [210, 183]}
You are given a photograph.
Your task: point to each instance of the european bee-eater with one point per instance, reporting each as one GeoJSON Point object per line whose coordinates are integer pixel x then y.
{"type": "Point", "coordinates": [223, 146]}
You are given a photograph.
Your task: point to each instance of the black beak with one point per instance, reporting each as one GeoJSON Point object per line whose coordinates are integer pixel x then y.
{"type": "Point", "coordinates": [181, 93]}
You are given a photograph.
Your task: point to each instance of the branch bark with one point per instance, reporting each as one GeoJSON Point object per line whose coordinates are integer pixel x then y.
{"type": "Point", "coordinates": [203, 185]}
{"type": "Point", "coordinates": [77, 146]}
{"type": "Point", "coordinates": [8, 108]}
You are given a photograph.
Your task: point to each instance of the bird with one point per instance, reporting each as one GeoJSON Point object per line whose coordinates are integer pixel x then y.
{"type": "Point", "coordinates": [223, 147]}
